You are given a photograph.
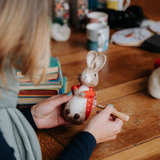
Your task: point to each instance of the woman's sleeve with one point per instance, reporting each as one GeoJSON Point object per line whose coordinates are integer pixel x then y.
{"type": "Point", "coordinates": [6, 152]}
{"type": "Point", "coordinates": [80, 147]}
{"type": "Point", "coordinates": [27, 113]}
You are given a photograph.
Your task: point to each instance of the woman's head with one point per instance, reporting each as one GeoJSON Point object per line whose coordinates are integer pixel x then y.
{"type": "Point", "coordinates": [24, 35]}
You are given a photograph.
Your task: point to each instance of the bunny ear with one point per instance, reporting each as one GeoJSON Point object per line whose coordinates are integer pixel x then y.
{"type": "Point", "coordinates": [91, 56]}
{"type": "Point", "coordinates": [99, 62]}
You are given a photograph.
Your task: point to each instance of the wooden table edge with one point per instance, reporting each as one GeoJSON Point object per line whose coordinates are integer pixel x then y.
{"type": "Point", "coordinates": [144, 150]}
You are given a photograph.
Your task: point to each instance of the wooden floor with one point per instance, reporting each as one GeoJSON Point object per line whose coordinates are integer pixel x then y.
{"type": "Point", "coordinates": [123, 83]}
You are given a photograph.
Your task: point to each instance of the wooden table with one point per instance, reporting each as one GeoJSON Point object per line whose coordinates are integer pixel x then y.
{"type": "Point", "coordinates": [123, 83]}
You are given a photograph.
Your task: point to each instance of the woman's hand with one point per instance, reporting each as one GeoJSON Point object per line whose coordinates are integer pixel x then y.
{"type": "Point", "coordinates": [48, 113]}
{"type": "Point", "coordinates": [103, 127]}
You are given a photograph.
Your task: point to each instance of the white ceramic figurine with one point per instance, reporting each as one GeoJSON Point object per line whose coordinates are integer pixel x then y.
{"type": "Point", "coordinates": [154, 81]}
{"type": "Point", "coordinates": [78, 109]}
{"type": "Point", "coordinates": [60, 33]}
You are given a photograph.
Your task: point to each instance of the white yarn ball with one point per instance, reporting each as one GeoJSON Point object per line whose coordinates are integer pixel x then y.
{"type": "Point", "coordinates": [60, 33]}
{"type": "Point", "coordinates": [154, 84]}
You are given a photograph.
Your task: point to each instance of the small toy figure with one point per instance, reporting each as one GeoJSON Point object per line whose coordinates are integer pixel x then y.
{"type": "Point", "coordinates": [78, 109]}
{"type": "Point", "coordinates": [60, 32]}
{"type": "Point", "coordinates": [154, 81]}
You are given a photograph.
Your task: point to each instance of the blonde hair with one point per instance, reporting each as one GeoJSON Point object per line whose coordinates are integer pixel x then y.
{"type": "Point", "coordinates": [24, 36]}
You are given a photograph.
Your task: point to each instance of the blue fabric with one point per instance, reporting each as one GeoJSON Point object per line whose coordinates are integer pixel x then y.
{"type": "Point", "coordinates": [80, 147]}
{"type": "Point", "coordinates": [27, 113]}
{"type": "Point", "coordinates": [6, 152]}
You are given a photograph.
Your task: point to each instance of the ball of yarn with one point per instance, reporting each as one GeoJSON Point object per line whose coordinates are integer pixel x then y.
{"type": "Point", "coordinates": [60, 32]}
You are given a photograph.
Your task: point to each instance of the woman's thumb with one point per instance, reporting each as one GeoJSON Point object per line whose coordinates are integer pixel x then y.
{"type": "Point", "coordinates": [62, 99]}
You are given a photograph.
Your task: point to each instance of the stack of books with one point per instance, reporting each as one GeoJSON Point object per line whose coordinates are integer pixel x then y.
{"type": "Point", "coordinates": [54, 83]}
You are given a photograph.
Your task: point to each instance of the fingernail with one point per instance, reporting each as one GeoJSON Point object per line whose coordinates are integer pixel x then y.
{"type": "Point", "coordinates": [69, 93]}
{"type": "Point", "coordinates": [111, 105]}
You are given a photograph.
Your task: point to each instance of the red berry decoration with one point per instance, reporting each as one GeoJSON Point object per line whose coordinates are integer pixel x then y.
{"type": "Point", "coordinates": [157, 63]}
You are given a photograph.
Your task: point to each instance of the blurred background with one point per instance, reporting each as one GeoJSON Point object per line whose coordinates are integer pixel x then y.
{"type": "Point", "coordinates": [73, 12]}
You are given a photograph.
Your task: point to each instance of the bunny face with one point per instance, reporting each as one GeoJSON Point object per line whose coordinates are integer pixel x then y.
{"type": "Point", "coordinates": [89, 77]}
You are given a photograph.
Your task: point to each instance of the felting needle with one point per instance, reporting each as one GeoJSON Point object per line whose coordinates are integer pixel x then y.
{"type": "Point", "coordinates": [120, 115]}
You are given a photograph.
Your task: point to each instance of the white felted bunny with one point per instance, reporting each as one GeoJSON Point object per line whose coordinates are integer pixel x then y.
{"type": "Point", "coordinates": [154, 81]}
{"type": "Point", "coordinates": [59, 32]}
{"type": "Point", "coordinates": [78, 109]}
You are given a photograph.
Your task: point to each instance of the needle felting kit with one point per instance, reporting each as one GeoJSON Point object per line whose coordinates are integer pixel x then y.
{"type": "Point", "coordinates": [79, 107]}
{"type": "Point", "coordinates": [148, 39]}
{"type": "Point", "coordinates": [131, 36]}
